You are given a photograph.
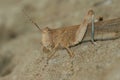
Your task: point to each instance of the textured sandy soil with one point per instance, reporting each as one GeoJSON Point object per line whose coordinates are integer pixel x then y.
{"type": "Point", "coordinates": [21, 56]}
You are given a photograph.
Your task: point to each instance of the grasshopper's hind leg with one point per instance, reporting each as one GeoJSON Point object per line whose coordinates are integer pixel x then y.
{"type": "Point", "coordinates": [92, 31]}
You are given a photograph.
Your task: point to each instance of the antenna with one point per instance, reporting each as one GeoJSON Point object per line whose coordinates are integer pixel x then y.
{"type": "Point", "coordinates": [32, 21]}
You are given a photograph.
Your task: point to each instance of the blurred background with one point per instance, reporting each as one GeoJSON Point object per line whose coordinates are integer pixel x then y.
{"type": "Point", "coordinates": [15, 27]}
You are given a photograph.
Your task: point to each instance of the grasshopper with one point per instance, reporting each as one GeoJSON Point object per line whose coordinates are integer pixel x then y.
{"type": "Point", "coordinates": [65, 37]}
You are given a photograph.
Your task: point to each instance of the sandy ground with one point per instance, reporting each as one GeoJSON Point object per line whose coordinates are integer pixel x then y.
{"type": "Point", "coordinates": [21, 55]}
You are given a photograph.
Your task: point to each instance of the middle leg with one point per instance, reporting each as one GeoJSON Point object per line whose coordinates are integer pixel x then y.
{"type": "Point", "coordinates": [71, 54]}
